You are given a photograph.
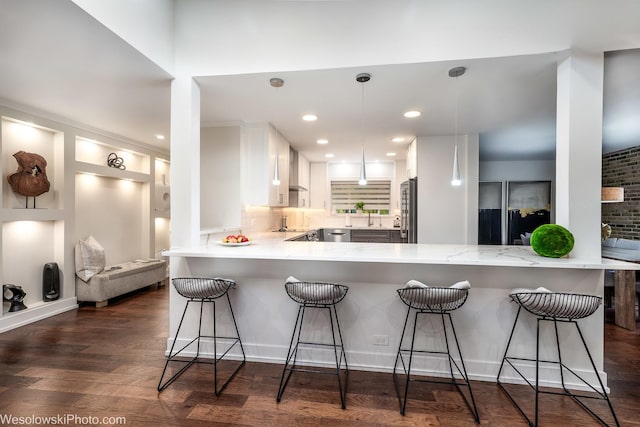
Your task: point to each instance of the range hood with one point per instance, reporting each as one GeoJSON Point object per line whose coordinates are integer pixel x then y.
{"type": "Point", "coordinates": [294, 183]}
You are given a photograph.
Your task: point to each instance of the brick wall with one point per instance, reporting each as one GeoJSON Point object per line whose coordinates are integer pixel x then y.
{"type": "Point", "coordinates": [622, 169]}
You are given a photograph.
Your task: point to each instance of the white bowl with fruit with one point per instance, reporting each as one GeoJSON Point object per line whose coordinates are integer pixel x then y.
{"type": "Point", "coordinates": [236, 240]}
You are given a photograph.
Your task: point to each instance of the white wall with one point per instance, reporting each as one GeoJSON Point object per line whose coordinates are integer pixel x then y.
{"type": "Point", "coordinates": [111, 210]}
{"type": "Point", "coordinates": [26, 247]}
{"type": "Point", "coordinates": [220, 169]}
{"type": "Point", "coordinates": [447, 214]}
{"type": "Point", "coordinates": [147, 25]}
{"type": "Point", "coordinates": [532, 170]}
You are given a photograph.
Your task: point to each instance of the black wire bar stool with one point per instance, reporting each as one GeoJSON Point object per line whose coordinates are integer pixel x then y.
{"type": "Point", "coordinates": [203, 290]}
{"type": "Point", "coordinates": [440, 302]}
{"type": "Point", "coordinates": [321, 296]}
{"type": "Point", "coordinates": [559, 308]}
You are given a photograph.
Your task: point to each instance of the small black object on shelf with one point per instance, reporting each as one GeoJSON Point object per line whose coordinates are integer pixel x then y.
{"type": "Point", "coordinates": [115, 161]}
{"type": "Point", "coordinates": [14, 294]}
{"type": "Point", "coordinates": [50, 282]}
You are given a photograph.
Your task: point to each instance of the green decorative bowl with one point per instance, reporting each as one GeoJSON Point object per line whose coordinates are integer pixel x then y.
{"type": "Point", "coordinates": [552, 240]}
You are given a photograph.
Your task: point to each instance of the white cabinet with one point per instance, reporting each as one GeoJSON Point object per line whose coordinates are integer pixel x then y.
{"type": "Point", "coordinates": [318, 185]}
{"type": "Point", "coordinates": [263, 146]}
{"type": "Point", "coordinates": [303, 171]}
{"type": "Point", "coordinates": [412, 160]}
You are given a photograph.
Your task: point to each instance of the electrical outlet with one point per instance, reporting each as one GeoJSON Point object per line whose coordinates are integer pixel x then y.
{"type": "Point", "coordinates": [381, 340]}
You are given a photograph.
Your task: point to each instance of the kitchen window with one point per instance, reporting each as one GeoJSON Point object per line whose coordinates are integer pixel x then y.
{"type": "Point", "coordinates": [376, 196]}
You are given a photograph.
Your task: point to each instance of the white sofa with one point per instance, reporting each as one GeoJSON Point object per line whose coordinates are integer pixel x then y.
{"type": "Point", "coordinates": [120, 279]}
{"type": "Point", "coordinates": [622, 249]}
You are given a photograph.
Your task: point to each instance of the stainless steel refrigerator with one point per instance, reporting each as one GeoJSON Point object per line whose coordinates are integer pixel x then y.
{"type": "Point", "coordinates": [409, 211]}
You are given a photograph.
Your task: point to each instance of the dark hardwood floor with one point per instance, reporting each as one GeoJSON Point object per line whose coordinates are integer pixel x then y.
{"type": "Point", "coordinates": [106, 363]}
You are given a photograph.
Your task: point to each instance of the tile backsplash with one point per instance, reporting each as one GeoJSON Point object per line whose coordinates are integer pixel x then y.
{"type": "Point", "coordinates": [258, 219]}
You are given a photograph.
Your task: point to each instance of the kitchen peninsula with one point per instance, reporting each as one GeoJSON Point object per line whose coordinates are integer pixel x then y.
{"type": "Point", "coordinates": [372, 315]}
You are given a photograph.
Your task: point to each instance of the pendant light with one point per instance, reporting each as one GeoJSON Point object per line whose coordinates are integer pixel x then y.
{"type": "Point", "coordinates": [455, 176]}
{"type": "Point", "coordinates": [612, 194]}
{"type": "Point", "coordinates": [362, 78]}
{"type": "Point", "coordinates": [277, 83]}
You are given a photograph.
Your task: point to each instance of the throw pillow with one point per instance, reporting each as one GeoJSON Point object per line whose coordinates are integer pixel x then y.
{"type": "Point", "coordinates": [90, 259]}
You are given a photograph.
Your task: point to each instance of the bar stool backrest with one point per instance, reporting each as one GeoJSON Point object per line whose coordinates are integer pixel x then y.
{"type": "Point", "coordinates": [433, 298]}
{"type": "Point", "coordinates": [202, 288]}
{"type": "Point", "coordinates": [316, 292]}
{"type": "Point", "coordinates": [558, 304]}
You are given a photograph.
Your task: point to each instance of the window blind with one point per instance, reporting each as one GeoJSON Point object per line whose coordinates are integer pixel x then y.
{"type": "Point", "coordinates": [376, 196]}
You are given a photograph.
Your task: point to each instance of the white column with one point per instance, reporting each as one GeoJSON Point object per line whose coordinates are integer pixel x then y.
{"type": "Point", "coordinates": [185, 162]}
{"type": "Point", "coordinates": [447, 214]}
{"type": "Point", "coordinates": [579, 149]}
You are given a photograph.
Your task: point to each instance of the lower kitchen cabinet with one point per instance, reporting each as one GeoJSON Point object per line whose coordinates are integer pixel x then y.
{"type": "Point", "coordinates": [375, 236]}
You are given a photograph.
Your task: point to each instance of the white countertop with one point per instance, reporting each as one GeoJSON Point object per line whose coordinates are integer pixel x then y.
{"type": "Point", "coordinates": [271, 245]}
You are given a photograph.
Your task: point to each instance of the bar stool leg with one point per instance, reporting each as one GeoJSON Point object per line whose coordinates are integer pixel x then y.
{"type": "Point", "coordinates": [535, 386]}
{"type": "Point", "coordinates": [343, 394]}
{"type": "Point", "coordinates": [197, 340]}
{"type": "Point", "coordinates": [215, 351]}
{"type": "Point", "coordinates": [344, 355]}
{"type": "Point", "coordinates": [292, 352]}
{"type": "Point", "coordinates": [406, 368]}
{"type": "Point", "coordinates": [218, 390]}
{"type": "Point", "coordinates": [472, 406]}
{"type": "Point", "coordinates": [604, 392]}
{"type": "Point", "coordinates": [290, 365]}
{"type": "Point", "coordinates": [172, 354]}
{"type": "Point", "coordinates": [235, 325]}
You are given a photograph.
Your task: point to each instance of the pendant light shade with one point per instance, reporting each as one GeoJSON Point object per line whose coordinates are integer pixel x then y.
{"type": "Point", "coordinates": [612, 194]}
{"type": "Point", "coordinates": [456, 180]}
{"type": "Point", "coordinates": [276, 171]}
{"type": "Point", "coordinates": [277, 83]}
{"type": "Point", "coordinates": [363, 171]}
{"type": "Point", "coordinates": [362, 78]}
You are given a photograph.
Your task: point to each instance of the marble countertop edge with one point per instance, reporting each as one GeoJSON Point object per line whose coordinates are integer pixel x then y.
{"type": "Point", "coordinates": [470, 255]}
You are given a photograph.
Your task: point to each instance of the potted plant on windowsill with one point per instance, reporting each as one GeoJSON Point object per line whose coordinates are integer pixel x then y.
{"type": "Point", "coordinates": [359, 207]}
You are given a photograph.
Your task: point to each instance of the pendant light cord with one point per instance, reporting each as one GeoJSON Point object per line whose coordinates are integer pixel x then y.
{"type": "Point", "coordinates": [362, 78]}
{"type": "Point", "coordinates": [277, 83]}
{"type": "Point", "coordinates": [457, 107]}
{"type": "Point", "coordinates": [456, 72]}
{"type": "Point", "coordinates": [362, 116]}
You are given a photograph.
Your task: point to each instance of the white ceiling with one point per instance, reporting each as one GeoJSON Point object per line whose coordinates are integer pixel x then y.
{"type": "Point", "coordinates": [509, 99]}
{"type": "Point", "coordinates": [56, 58]}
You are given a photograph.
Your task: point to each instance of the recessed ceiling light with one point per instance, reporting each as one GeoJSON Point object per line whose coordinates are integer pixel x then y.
{"type": "Point", "coordinates": [391, 154]}
{"type": "Point", "coordinates": [322, 141]}
{"type": "Point", "coordinates": [411, 114]}
{"type": "Point", "coordinates": [329, 155]}
{"type": "Point", "coordinates": [309, 117]}
{"type": "Point", "coordinates": [398, 139]}
{"type": "Point", "coordinates": [159, 136]}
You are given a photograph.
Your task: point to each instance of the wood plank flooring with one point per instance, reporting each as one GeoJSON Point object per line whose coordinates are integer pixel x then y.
{"type": "Point", "coordinates": [106, 363]}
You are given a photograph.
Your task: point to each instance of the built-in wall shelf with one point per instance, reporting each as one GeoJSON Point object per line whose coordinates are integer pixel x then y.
{"type": "Point", "coordinates": [126, 209]}
{"type": "Point", "coordinates": [109, 172]}
{"type": "Point", "coordinates": [32, 215]}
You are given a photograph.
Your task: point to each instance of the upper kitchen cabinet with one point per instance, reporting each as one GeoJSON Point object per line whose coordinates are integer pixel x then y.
{"type": "Point", "coordinates": [266, 163]}
{"type": "Point", "coordinates": [412, 160]}
{"type": "Point", "coordinates": [298, 180]}
{"type": "Point", "coordinates": [318, 185]}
